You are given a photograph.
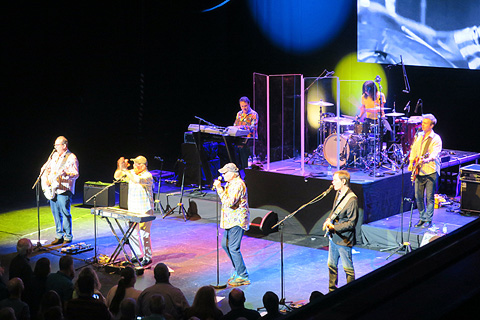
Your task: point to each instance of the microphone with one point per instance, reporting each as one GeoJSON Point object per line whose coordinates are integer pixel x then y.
{"type": "Point", "coordinates": [158, 158]}
{"type": "Point", "coordinates": [378, 79]}
{"type": "Point", "coordinates": [419, 103]}
{"type": "Point", "coordinates": [407, 107]}
{"type": "Point", "coordinates": [218, 179]}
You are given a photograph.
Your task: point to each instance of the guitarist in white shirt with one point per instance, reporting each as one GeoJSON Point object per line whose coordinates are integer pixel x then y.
{"type": "Point", "coordinates": [58, 184]}
{"type": "Point", "coordinates": [426, 153]}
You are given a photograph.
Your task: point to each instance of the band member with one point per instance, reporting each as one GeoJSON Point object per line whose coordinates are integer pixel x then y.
{"type": "Point", "coordinates": [372, 102]}
{"type": "Point", "coordinates": [140, 200]}
{"type": "Point", "coordinates": [246, 119]}
{"type": "Point", "coordinates": [58, 183]}
{"type": "Point", "coordinates": [340, 227]}
{"type": "Point", "coordinates": [235, 219]}
{"type": "Point", "coordinates": [425, 166]}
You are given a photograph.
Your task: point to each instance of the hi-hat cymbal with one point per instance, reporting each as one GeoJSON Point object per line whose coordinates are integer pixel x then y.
{"type": "Point", "coordinates": [394, 114]}
{"type": "Point", "coordinates": [321, 103]}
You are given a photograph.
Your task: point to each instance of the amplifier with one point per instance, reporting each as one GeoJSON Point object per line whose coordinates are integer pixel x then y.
{"type": "Point", "coordinates": [104, 199]}
{"type": "Point", "coordinates": [470, 173]}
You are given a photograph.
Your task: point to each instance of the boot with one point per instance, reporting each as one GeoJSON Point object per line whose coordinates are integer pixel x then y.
{"type": "Point", "coordinates": [332, 278]}
{"type": "Point", "coordinates": [350, 275]}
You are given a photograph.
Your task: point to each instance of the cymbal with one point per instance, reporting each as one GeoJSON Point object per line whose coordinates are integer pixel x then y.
{"type": "Point", "coordinates": [340, 120]}
{"type": "Point", "coordinates": [321, 103]}
{"type": "Point", "coordinates": [349, 117]}
{"type": "Point", "coordinates": [376, 109]}
{"type": "Point", "coordinates": [394, 114]}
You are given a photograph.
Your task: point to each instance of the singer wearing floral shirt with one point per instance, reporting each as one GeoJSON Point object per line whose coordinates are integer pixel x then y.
{"type": "Point", "coordinates": [235, 219]}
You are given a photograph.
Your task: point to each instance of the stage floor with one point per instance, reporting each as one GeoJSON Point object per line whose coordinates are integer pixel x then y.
{"type": "Point", "coordinates": [189, 248]}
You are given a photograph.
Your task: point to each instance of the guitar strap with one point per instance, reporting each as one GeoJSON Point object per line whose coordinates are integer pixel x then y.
{"type": "Point", "coordinates": [343, 202]}
{"type": "Point", "coordinates": [67, 154]}
{"type": "Point", "coordinates": [427, 144]}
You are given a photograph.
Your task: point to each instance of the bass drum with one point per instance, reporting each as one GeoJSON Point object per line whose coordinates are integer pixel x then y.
{"type": "Point", "coordinates": [350, 145]}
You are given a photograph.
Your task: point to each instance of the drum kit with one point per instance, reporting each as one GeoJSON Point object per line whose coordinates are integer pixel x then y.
{"type": "Point", "coordinates": [361, 143]}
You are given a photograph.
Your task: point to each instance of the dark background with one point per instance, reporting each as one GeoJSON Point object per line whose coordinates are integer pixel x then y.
{"type": "Point", "coordinates": [123, 78]}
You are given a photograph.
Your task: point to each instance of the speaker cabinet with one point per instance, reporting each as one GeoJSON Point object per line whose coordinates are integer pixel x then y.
{"type": "Point", "coordinates": [470, 196]}
{"type": "Point", "coordinates": [104, 199]}
{"type": "Point", "coordinates": [123, 198]}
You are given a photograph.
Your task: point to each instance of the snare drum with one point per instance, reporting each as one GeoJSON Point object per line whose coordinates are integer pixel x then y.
{"type": "Point", "coordinates": [350, 146]}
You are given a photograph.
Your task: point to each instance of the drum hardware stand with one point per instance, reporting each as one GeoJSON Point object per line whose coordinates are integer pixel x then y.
{"type": "Point", "coordinates": [181, 208]}
{"type": "Point", "coordinates": [158, 203]}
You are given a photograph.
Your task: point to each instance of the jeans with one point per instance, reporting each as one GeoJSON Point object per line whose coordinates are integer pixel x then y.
{"type": "Point", "coordinates": [426, 184]}
{"type": "Point", "coordinates": [232, 238]}
{"type": "Point", "coordinates": [335, 252]}
{"type": "Point", "coordinates": [60, 206]}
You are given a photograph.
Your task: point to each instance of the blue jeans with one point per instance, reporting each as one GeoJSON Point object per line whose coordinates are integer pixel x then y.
{"type": "Point", "coordinates": [60, 206]}
{"type": "Point", "coordinates": [232, 238]}
{"type": "Point", "coordinates": [426, 184]}
{"type": "Point", "coordinates": [335, 252]}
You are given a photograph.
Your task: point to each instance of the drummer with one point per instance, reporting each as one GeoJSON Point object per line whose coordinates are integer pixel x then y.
{"type": "Point", "coordinates": [373, 102]}
{"type": "Point", "coordinates": [373, 106]}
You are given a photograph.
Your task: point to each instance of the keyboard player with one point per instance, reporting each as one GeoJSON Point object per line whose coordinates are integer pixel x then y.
{"type": "Point", "coordinates": [246, 119]}
{"type": "Point", "coordinates": [140, 200]}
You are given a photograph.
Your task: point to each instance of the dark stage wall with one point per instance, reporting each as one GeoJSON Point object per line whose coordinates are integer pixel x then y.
{"type": "Point", "coordinates": [376, 200]}
{"type": "Point", "coordinates": [122, 78]}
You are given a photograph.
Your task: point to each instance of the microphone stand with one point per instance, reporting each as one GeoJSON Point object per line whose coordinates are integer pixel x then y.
{"type": "Point", "coordinates": [158, 203]}
{"type": "Point", "coordinates": [218, 285]}
{"type": "Point", "coordinates": [94, 210]}
{"type": "Point", "coordinates": [280, 227]}
{"type": "Point", "coordinates": [37, 195]}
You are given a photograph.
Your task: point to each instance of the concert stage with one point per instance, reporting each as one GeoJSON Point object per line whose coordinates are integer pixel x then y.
{"type": "Point", "coordinates": [284, 189]}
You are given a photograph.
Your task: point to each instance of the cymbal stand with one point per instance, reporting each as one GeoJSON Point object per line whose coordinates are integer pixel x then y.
{"type": "Point", "coordinates": [181, 208]}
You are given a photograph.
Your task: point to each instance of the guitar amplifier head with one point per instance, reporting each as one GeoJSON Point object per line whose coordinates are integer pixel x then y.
{"type": "Point", "coordinates": [104, 199]}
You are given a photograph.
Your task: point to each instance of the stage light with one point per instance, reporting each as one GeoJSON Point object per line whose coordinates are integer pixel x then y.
{"type": "Point", "coordinates": [352, 75]}
{"type": "Point", "coordinates": [300, 26]}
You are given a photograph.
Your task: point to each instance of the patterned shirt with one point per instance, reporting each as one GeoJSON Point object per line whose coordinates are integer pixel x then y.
{"type": "Point", "coordinates": [63, 178]}
{"type": "Point", "coordinates": [235, 211]}
{"type": "Point", "coordinates": [140, 192]}
{"type": "Point", "coordinates": [248, 122]}
{"type": "Point", "coordinates": [468, 42]}
{"type": "Point", "coordinates": [432, 162]}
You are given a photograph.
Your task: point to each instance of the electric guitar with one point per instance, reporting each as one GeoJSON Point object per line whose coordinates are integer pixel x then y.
{"type": "Point", "coordinates": [416, 166]}
{"type": "Point", "coordinates": [49, 190]}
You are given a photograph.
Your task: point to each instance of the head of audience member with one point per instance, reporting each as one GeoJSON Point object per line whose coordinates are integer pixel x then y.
{"type": "Point", "coordinates": [53, 313]}
{"type": "Point", "coordinates": [244, 104]}
{"type": "Point", "coordinates": [7, 313]}
{"type": "Point", "coordinates": [50, 299]}
{"type": "Point", "coordinates": [315, 295]}
{"type": "Point", "coordinates": [15, 288]}
{"type": "Point", "coordinates": [88, 271]}
{"type": "Point", "coordinates": [127, 280]}
{"type": "Point", "coordinates": [85, 285]}
{"type": "Point", "coordinates": [127, 309]}
{"type": "Point", "coordinates": [271, 302]}
{"type": "Point", "coordinates": [161, 273]}
{"type": "Point", "coordinates": [236, 299]}
{"type": "Point", "coordinates": [204, 302]}
{"type": "Point", "coordinates": [24, 247]}
{"type": "Point", "coordinates": [65, 265]}
{"type": "Point", "coordinates": [42, 268]}
{"type": "Point", "coordinates": [157, 304]}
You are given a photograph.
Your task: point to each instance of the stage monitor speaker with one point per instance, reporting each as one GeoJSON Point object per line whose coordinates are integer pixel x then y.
{"type": "Point", "coordinates": [264, 225]}
{"type": "Point", "coordinates": [123, 198]}
{"type": "Point", "coordinates": [104, 199]}
{"type": "Point", "coordinates": [470, 196]}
